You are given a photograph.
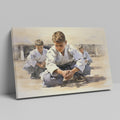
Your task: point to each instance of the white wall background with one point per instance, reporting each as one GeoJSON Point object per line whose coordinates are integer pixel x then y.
{"type": "Point", "coordinates": [54, 13]}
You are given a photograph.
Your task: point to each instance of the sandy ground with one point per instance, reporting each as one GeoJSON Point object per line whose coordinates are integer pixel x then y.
{"type": "Point", "coordinates": [100, 79]}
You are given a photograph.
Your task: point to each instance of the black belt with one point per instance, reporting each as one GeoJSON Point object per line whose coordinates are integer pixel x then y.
{"type": "Point", "coordinates": [67, 65]}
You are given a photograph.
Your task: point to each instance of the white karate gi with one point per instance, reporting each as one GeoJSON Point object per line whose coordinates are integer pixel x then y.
{"type": "Point", "coordinates": [87, 69]}
{"type": "Point", "coordinates": [32, 60]}
{"type": "Point", "coordinates": [87, 57]}
{"type": "Point", "coordinates": [35, 57]}
{"type": "Point", "coordinates": [55, 58]}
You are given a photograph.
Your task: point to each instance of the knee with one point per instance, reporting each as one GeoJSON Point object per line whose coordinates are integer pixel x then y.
{"type": "Point", "coordinates": [28, 69]}
{"type": "Point", "coordinates": [87, 70]}
{"type": "Point", "coordinates": [51, 81]}
{"type": "Point", "coordinates": [47, 79]}
{"type": "Point", "coordinates": [40, 70]}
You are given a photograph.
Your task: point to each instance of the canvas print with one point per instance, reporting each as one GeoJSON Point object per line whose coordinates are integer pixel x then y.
{"type": "Point", "coordinates": [59, 60]}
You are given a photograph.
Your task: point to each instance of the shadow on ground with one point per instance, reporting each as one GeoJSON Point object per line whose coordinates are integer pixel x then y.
{"type": "Point", "coordinates": [96, 67]}
{"type": "Point", "coordinates": [82, 82]}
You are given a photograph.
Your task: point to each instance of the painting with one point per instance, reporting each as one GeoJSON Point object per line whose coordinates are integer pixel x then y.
{"type": "Point", "coordinates": [59, 60]}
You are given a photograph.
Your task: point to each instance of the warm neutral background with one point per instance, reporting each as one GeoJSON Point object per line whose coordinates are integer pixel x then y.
{"type": "Point", "coordinates": [62, 13]}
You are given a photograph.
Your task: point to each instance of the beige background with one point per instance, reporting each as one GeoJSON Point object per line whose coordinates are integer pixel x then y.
{"type": "Point", "coordinates": [99, 79]}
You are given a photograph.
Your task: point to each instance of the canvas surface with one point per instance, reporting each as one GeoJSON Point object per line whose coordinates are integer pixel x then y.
{"type": "Point", "coordinates": [93, 42]}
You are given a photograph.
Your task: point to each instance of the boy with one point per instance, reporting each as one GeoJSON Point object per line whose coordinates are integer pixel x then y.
{"type": "Point", "coordinates": [87, 59]}
{"type": "Point", "coordinates": [62, 62]}
{"type": "Point", "coordinates": [35, 63]}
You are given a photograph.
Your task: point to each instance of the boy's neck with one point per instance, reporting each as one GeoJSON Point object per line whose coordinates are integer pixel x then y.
{"type": "Point", "coordinates": [41, 52]}
{"type": "Point", "coordinates": [63, 52]}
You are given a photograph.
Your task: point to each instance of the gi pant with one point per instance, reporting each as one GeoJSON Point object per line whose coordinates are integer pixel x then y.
{"type": "Point", "coordinates": [57, 79]}
{"type": "Point", "coordinates": [35, 71]}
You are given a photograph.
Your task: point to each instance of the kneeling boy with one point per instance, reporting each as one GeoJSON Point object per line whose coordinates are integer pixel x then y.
{"type": "Point", "coordinates": [87, 59]}
{"type": "Point", "coordinates": [35, 63]}
{"type": "Point", "coordinates": [62, 62]}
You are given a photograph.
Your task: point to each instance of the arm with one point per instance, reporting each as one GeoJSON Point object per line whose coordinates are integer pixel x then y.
{"type": "Point", "coordinates": [50, 61]}
{"type": "Point", "coordinates": [42, 65]}
{"type": "Point", "coordinates": [64, 73]}
{"type": "Point", "coordinates": [31, 59]}
{"type": "Point", "coordinates": [80, 63]}
{"type": "Point", "coordinates": [74, 70]}
{"type": "Point", "coordinates": [71, 73]}
{"type": "Point", "coordinates": [51, 66]}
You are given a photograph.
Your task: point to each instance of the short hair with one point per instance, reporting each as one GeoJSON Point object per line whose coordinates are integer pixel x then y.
{"type": "Point", "coordinates": [58, 37]}
{"type": "Point", "coordinates": [80, 47]}
{"type": "Point", "coordinates": [39, 42]}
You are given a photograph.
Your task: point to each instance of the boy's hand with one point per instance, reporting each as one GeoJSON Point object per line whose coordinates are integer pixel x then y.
{"type": "Point", "coordinates": [65, 73]}
{"type": "Point", "coordinates": [86, 61]}
{"type": "Point", "coordinates": [42, 65]}
{"type": "Point", "coordinates": [62, 72]}
{"type": "Point", "coordinates": [69, 75]}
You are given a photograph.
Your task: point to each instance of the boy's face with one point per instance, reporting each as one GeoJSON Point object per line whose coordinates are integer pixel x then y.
{"type": "Point", "coordinates": [60, 46]}
{"type": "Point", "coordinates": [39, 48]}
{"type": "Point", "coordinates": [81, 50]}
